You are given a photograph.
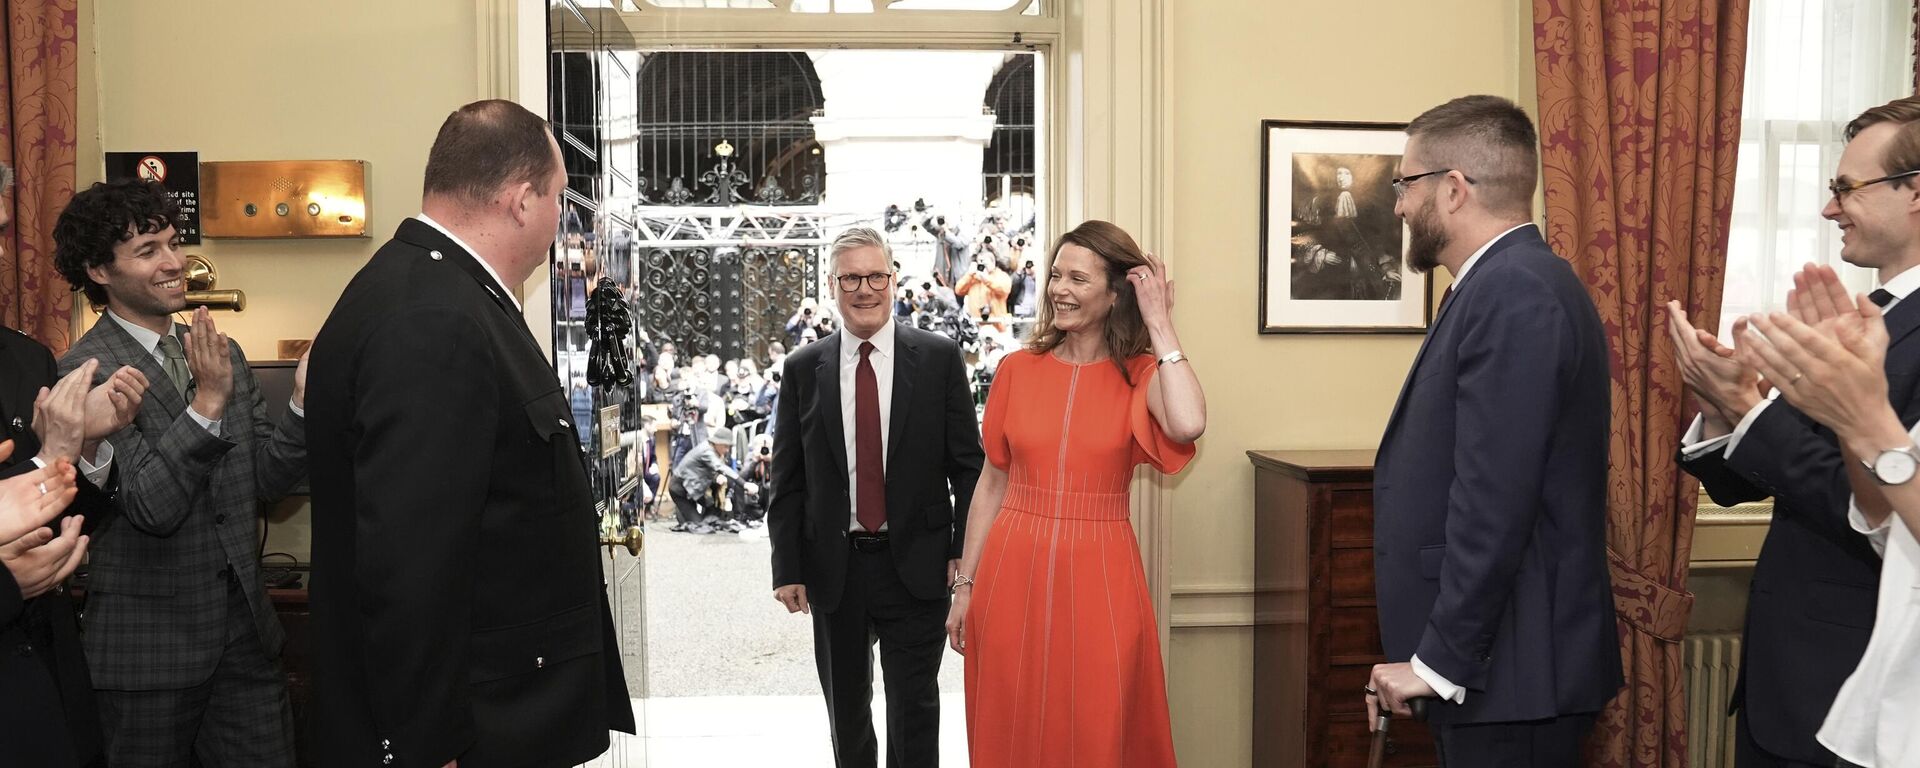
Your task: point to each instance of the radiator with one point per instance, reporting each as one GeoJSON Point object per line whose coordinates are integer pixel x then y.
{"type": "Point", "coordinates": [1712, 664]}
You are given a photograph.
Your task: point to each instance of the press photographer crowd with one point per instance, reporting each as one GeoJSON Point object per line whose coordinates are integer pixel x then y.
{"type": "Point", "coordinates": [981, 291]}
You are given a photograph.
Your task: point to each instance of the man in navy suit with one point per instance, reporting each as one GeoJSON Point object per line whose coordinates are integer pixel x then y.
{"type": "Point", "coordinates": [1811, 608]}
{"type": "Point", "coordinates": [1490, 484]}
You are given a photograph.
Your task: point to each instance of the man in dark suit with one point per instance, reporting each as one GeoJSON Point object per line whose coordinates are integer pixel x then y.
{"type": "Point", "coordinates": [1811, 607]}
{"type": "Point", "coordinates": [873, 467]}
{"type": "Point", "coordinates": [458, 607]}
{"type": "Point", "coordinates": [183, 642]}
{"type": "Point", "coordinates": [49, 712]}
{"type": "Point", "coordinates": [1490, 483]}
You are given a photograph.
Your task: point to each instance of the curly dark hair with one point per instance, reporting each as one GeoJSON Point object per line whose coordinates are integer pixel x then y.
{"type": "Point", "coordinates": [102, 216]}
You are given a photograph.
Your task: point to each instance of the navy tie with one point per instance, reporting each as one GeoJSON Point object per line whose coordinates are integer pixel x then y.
{"type": "Point", "coordinates": [1880, 297]}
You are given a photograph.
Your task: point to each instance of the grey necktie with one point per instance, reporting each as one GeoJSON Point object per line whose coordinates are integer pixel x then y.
{"type": "Point", "coordinates": [175, 363]}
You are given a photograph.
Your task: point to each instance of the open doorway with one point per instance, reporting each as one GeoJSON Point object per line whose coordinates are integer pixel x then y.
{"type": "Point", "coordinates": [707, 184]}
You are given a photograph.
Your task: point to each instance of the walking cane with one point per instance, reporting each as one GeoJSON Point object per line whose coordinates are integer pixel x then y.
{"type": "Point", "coordinates": [1377, 754]}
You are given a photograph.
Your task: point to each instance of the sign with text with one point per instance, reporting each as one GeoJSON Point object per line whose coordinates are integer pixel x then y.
{"type": "Point", "coordinates": [179, 172]}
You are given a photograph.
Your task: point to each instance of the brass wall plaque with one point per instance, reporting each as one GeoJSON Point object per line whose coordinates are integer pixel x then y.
{"type": "Point", "coordinates": [284, 198]}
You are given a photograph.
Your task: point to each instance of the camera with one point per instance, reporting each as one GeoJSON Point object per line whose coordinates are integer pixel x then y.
{"type": "Point", "coordinates": [765, 451]}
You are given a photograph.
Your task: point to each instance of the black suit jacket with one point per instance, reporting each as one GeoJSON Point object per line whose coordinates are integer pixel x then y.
{"type": "Point", "coordinates": [933, 462]}
{"type": "Point", "coordinates": [1811, 605]}
{"type": "Point", "coordinates": [1490, 496]}
{"type": "Point", "coordinates": [46, 692]}
{"type": "Point", "coordinates": [458, 604]}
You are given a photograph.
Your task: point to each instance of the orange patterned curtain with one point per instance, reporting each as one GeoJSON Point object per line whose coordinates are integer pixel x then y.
{"type": "Point", "coordinates": [38, 90]}
{"type": "Point", "coordinates": [1639, 128]}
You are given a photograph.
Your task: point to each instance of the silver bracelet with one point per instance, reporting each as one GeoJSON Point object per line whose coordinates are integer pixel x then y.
{"type": "Point", "coordinates": [1172, 357]}
{"type": "Point", "coordinates": [959, 580]}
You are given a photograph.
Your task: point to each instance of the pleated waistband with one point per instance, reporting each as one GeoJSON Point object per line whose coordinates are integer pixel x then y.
{"type": "Point", "coordinates": [1066, 505]}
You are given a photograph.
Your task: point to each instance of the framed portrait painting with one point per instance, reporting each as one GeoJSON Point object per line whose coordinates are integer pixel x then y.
{"type": "Point", "coordinates": [1333, 256]}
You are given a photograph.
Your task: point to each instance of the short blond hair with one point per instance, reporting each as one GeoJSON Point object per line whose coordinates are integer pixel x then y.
{"type": "Point", "coordinates": [857, 237]}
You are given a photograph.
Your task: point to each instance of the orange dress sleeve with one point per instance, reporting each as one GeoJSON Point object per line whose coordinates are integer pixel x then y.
{"type": "Point", "coordinates": [993, 429]}
{"type": "Point", "coordinates": [1150, 443]}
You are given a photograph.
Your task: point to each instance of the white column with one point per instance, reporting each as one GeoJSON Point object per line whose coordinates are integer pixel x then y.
{"type": "Point", "coordinates": [903, 120]}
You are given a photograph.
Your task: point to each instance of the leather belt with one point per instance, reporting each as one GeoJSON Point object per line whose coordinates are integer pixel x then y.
{"type": "Point", "coordinates": [867, 542]}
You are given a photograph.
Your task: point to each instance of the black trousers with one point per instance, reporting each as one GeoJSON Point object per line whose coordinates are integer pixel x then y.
{"type": "Point", "coordinates": [1555, 743]}
{"type": "Point", "coordinates": [1748, 753]}
{"type": "Point", "coordinates": [685, 507]}
{"type": "Point", "coordinates": [912, 635]}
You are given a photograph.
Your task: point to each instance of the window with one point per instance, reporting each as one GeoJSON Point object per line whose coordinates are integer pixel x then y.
{"type": "Point", "coordinates": [1812, 65]}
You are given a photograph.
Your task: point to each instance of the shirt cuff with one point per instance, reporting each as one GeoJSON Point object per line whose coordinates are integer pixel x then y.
{"type": "Point", "coordinates": [297, 410]}
{"type": "Point", "coordinates": [98, 474]}
{"type": "Point", "coordinates": [1692, 447]}
{"type": "Point", "coordinates": [212, 426]}
{"type": "Point", "coordinates": [1746, 423]}
{"type": "Point", "coordinates": [1441, 686]}
{"type": "Point", "coordinates": [1877, 536]}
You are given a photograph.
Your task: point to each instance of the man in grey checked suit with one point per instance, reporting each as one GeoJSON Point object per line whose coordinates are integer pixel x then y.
{"type": "Point", "coordinates": [183, 643]}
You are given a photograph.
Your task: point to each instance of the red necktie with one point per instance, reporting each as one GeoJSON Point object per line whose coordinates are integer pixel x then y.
{"type": "Point", "coordinates": [872, 473]}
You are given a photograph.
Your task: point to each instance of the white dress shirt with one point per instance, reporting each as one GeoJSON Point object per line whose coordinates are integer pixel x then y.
{"type": "Point", "coordinates": [882, 361]}
{"type": "Point", "coordinates": [504, 288]}
{"type": "Point", "coordinates": [1443, 687]}
{"type": "Point", "coordinates": [1871, 721]}
{"type": "Point", "coordinates": [1693, 447]}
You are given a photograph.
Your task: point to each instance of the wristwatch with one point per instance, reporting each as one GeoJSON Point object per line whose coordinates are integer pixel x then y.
{"type": "Point", "coordinates": [1896, 466]}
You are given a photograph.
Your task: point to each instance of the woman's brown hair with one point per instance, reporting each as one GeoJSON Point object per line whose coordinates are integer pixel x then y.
{"type": "Point", "coordinates": [1126, 332]}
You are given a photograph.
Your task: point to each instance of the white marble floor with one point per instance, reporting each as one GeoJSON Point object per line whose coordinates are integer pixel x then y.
{"type": "Point", "coordinates": [748, 731]}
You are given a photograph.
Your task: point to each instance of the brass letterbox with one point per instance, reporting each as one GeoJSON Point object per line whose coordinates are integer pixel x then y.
{"type": "Point", "coordinates": [284, 198]}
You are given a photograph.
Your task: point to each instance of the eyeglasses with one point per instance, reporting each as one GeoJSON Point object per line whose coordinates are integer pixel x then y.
{"type": "Point", "coordinates": [877, 281]}
{"type": "Point", "coordinates": [1401, 183]}
{"type": "Point", "coordinates": [1840, 188]}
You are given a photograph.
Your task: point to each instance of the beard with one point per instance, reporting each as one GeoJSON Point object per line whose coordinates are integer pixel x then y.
{"type": "Point", "coordinates": [1425, 239]}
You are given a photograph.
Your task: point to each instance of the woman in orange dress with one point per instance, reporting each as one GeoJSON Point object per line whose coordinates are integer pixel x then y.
{"type": "Point", "coordinates": [1050, 603]}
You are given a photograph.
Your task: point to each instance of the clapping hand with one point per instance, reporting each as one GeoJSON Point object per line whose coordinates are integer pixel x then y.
{"type": "Point", "coordinates": [1819, 300]}
{"type": "Point", "coordinates": [1833, 372]}
{"type": "Point", "coordinates": [60, 414]}
{"type": "Point", "coordinates": [1724, 384]}
{"type": "Point", "coordinates": [112, 404]}
{"type": "Point", "coordinates": [39, 561]}
{"type": "Point", "coordinates": [210, 359]}
{"type": "Point", "coordinates": [28, 500]}
{"type": "Point", "coordinates": [300, 380]}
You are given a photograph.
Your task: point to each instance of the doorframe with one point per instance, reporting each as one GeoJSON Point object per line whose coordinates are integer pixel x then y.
{"type": "Point", "coordinates": [1106, 132]}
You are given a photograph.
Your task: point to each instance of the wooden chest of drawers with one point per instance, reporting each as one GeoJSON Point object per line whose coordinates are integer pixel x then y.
{"type": "Point", "coordinates": [1316, 636]}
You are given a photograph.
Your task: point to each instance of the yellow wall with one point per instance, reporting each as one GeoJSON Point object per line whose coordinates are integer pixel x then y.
{"type": "Point", "coordinates": [346, 79]}
{"type": "Point", "coordinates": [235, 80]}
{"type": "Point", "coordinates": [1232, 63]}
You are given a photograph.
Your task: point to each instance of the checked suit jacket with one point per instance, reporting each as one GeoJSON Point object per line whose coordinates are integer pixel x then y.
{"type": "Point", "coordinates": [157, 583]}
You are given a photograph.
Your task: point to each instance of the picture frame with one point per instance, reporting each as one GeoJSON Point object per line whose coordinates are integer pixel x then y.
{"type": "Point", "coordinates": [1332, 251]}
